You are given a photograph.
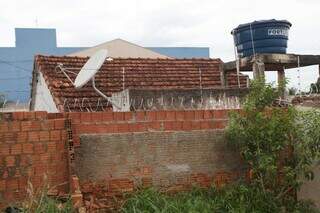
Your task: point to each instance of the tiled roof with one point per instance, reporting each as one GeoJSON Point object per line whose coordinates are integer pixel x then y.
{"type": "Point", "coordinates": [140, 73]}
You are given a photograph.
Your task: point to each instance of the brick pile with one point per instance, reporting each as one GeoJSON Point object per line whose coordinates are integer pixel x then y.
{"type": "Point", "coordinates": [109, 194]}
{"type": "Point", "coordinates": [307, 101]}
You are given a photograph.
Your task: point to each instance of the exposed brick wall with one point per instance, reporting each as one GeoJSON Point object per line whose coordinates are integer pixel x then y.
{"type": "Point", "coordinates": [144, 121]}
{"type": "Point", "coordinates": [31, 146]}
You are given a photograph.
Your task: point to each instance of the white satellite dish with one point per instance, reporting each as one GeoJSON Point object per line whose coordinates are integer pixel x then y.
{"type": "Point", "coordinates": [90, 68]}
{"type": "Point", "coordinates": [87, 73]}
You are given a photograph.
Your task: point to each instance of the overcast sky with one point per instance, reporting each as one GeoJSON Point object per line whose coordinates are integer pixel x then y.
{"type": "Point", "coordinates": [206, 23]}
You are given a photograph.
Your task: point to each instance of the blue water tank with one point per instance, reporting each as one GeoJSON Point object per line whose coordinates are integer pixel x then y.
{"type": "Point", "coordinates": [265, 36]}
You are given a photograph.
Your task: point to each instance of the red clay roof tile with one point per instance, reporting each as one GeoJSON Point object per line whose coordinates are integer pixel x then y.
{"type": "Point", "coordinates": [140, 73]}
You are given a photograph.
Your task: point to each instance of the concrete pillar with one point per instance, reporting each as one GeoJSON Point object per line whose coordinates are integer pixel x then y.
{"type": "Point", "coordinates": [223, 76]}
{"type": "Point", "coordinates": [281, 75]}
{"type": "Point", "coordinates": [258, 69]}
{"type": "Point", "coordinates": [255, 70]}
{"type": "Point", "coordinates": [281, 78]}
{"type": "Point", "coordinates": [318, 80]}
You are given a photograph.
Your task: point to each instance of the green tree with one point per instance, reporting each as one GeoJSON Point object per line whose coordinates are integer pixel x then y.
{"type": "Point", "coordinates": [279, 145]}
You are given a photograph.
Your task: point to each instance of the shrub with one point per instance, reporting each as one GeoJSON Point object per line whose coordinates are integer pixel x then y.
{"type": "Point", "coordinates": [278, 144]}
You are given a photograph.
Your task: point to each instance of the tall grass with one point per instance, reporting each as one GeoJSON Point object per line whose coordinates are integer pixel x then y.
{"type": "Point", "coordinates": [38, 201]}
{"type": "Point", "coordinates": [237, 198]}
{"type": "Point", "coordinates": [46, 204]}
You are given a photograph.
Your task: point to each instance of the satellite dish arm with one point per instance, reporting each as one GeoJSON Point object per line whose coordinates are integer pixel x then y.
{"type": "Point", "coordinates": [63, 70]}
{"type": "Point", "coordinates": [103, 95]}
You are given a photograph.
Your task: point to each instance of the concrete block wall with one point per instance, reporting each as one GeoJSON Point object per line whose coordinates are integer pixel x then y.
{"type": "Point", "coordinates": [162, 159]}
{"type": "Point", "coordinates": [32, 146]}
{"type": "Point", "coordinates": [117, 152]}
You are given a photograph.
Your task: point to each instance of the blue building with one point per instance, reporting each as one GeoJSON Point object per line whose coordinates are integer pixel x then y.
{"type": "Point", "coordinates": [16, 63]}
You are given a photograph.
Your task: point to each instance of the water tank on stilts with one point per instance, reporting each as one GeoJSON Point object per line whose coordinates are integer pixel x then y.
{"type": "Point", "coordinates": [266, 36]}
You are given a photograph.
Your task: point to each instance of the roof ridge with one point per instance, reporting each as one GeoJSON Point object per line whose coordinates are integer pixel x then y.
{"type": "Point", "coordinates": [131, 58]}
